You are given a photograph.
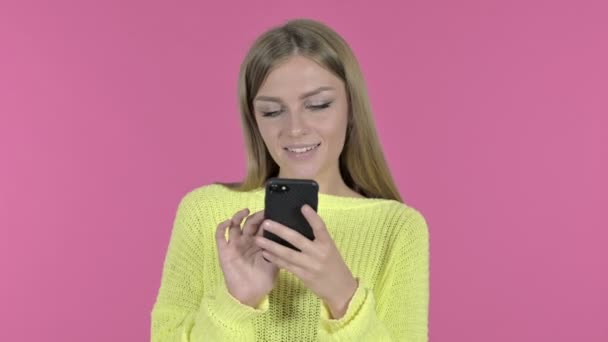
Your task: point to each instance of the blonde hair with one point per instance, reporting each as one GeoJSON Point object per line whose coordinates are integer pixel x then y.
{"type": "Point", "coordinates": [362, 163]}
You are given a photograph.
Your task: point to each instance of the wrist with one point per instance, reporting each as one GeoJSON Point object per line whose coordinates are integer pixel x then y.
{"type": "Point", "coordinates": [251, 301]}
{"type": "Point", "coordinates": [337, 306]}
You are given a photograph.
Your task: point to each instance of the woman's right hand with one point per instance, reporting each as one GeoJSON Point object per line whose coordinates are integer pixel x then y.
{"type": "Point", "coordinates": [249, 277]}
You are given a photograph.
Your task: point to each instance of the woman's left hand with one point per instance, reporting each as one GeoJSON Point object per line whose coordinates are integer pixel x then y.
{"type": "Point", "coordinates": [319, 264]}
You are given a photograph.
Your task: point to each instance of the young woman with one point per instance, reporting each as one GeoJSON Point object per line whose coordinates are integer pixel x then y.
{"type": "Point", "coordinates": [365, 276]}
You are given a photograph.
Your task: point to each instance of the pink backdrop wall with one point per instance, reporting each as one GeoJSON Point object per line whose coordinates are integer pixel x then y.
{"type": "Point", "coordinates": [493, 116]}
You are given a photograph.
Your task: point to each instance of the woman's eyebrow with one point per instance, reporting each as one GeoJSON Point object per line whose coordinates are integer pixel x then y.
{"type": "Point", "coordinates": [303, 96]}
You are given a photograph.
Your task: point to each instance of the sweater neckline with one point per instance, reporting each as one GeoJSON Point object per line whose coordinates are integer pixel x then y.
{"type": "Point", "coordinates": [327, 201]}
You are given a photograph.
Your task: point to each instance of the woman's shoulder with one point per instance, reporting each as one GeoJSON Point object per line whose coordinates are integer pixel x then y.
{"type": "Point", "coordinates": [413, 224]}
{"type": "Point", "coordinates": [392, 207]}
{"type": "Point", "coordinates": [210, 189]}
{"type": "Point", "coordinates": [398, 218]}
{"type": "Point", "coordinates": [207, 192]}
{"type": "Point", "coordinates": [408, 219]}
{"type": "Point", "coordinates": [216, 193]}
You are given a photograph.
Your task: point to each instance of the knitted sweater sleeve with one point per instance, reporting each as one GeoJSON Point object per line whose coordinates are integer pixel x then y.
{"type": "Point", "coordinates": [188, 307]}
{"type": "Point", "coordinates": [398, 309]}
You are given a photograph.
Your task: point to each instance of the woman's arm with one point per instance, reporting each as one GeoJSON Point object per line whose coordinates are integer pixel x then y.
{"type": "Point", "coordinates": [398, 311]}
{"type": "Point", "coordinates": [188, 307]}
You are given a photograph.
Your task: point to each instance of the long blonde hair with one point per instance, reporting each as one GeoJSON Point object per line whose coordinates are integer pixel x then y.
{"type": "Point", "coordinates": [362, 163]}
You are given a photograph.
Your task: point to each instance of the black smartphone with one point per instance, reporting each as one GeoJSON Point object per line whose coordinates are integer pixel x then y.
{"type": "Point", "coordinates": [283, 203]}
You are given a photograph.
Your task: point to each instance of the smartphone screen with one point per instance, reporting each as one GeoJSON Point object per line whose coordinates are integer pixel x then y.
{"type": "Point", "coordinates": [283, 203]}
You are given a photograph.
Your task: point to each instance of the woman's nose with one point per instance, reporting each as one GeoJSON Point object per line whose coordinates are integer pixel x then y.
{"type": "Point", "coordinates": [295, 124]}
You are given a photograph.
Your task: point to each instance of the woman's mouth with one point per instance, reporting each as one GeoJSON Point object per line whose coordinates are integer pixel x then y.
{"type": "Point", "coordinates": [301, 152]}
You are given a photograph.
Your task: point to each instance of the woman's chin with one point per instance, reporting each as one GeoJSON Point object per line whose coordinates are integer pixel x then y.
{"type": "Point", "coordinates": [300, 172]}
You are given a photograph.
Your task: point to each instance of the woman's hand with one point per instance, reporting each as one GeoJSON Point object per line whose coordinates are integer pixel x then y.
{"type": "Point", "coordinates": [248, 276]}
{"type": "Point", "coordinates": [320, 265]}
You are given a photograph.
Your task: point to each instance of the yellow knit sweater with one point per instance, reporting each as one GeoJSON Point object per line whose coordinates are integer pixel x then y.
{"type": "Point", "coordinates": [384, 243]}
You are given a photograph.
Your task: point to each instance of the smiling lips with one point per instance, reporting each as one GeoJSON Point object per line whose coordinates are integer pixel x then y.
{"type": "Point", "coordinates": [301, 148]}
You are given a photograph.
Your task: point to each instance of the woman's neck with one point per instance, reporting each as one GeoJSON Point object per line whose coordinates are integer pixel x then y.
{"type": "Point", "coordinates": [333, 186]}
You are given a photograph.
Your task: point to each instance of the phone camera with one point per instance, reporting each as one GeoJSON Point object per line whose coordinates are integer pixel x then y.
{"type": "Point", "coordinates": [278, 188]}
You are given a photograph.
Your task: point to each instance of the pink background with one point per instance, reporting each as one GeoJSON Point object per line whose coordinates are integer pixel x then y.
{"type": "Point", "coordinates": [493, 116]}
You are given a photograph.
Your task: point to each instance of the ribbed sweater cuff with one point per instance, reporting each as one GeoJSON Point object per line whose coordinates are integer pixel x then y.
{"type": "Point", "coordinates": [228, 310]}
{"type": "Point", "coordinates": [332, 326]}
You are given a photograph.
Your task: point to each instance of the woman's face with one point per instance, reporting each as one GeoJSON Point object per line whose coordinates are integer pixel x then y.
{"type": "Point", "coordinates": [302, 112]}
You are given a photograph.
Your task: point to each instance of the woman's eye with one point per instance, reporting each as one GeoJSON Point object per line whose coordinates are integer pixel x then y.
{"type": "Point", "coordinates": [319, 107]}
{"type": "Point", "coordinates": [271, 114]}
{"type": "Point", "coordinates": [311, 107]}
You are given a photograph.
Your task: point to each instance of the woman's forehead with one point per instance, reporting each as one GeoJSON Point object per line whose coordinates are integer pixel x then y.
{"type": "Point", "coordinates": [298, 73]}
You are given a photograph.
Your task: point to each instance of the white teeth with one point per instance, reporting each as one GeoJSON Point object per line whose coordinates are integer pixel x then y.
{"type": "Point", "coordinates": [302, 150]}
